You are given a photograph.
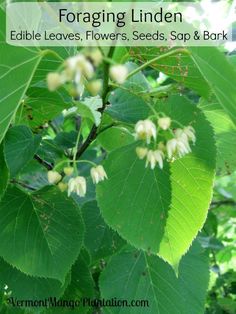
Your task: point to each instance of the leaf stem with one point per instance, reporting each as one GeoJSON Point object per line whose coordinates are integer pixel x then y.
{"type": "Point", "coordinates": [108, 60]}
{"type": "Point", "coordinates": [86, 161]}
{"type": "Point", "coordinates": [74, 162]}
{"type": "Point", "coordinates": [152, 109]}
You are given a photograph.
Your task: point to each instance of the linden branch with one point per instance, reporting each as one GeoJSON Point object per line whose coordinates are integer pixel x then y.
{"type": "Point", "coordinates": [93, 133]}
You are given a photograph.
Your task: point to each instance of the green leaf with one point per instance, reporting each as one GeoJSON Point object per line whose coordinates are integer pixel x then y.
{"type": "Point", "coordinates": [50, 151]}
{"type": "Point", "coordinates": [227, 304]}
{"type": "Point", "coordinates": [88, 108]}
{"type": "Point", "coordinates": [41, 234]}
{"type": "Point", "coordinates": [138, 276]}
{"type": "Point", "coordinates": [17, 68]}
{"type": "Point", "coordinates": [161, 211]}
{"type": "Point", "coordinates": [100, 240]}
{"type": "Point", "coordinates": [192, 179]}
{"type": "Point", "coordinates": [34, 175]}
{"type": "Point", "coordinates": [4, 173]}
{"type": "Point", "coordinates": [232, 59]}
{"type": "Point", "coordinates": [120, 55]}
{"type": "Point", "coordinates": [126, 106]}
{"type": "Point", "coordinates": [225, 134]}
{"type": "Point", "coordinates": [137, 82]}
{"type": "Point", "coordinates": [34, 288]}
{"type": "Point", "coordinates": [194, 279]}
{"type": "Point", "coordinates": [138, 198]}
{"type": "Point", "coordinates": [81, 288]}
{"type": "Point", "coordinates": [82, 284]}
{"type": "Point", "coordinates": [66, 140]}
{"type": "Point", "coordinates": [19, 147]}
{"type": "Point", "coordinates": [125, 102]}
{"type": "Point", "coordinates": [40, 107]}
{"type": "Point", "coordinates": [179, 67]}
{"type": "Point", "coordinates": [219, 74]}
{"type": "Point", "coordinates": [115, 137]}
{"type": "Point", "coordinates": [10, 310]}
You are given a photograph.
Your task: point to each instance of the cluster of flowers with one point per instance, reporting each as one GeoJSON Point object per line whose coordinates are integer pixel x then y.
{"type": "Point", "coordinates": [177, 146]}
{"type": "Point", "coordinates": [80, 70]}
{"type": "Point", "coordinates": [76, 184]}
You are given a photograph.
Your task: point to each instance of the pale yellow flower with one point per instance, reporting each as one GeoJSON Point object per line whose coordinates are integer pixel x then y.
{"type": "Point", "coordinates": [77, 185]}
{"type": "Point", "coordinates": [145, 130]}
{"type": "Point", "coordinates": [98, 174]}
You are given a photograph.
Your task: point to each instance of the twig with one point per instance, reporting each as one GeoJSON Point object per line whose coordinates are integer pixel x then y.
{"type": "Point", "coordinates": [223, 202]}
{"type": "Point", "coordinates": [86, 143]}
{"type": "Point", "coordinates": [43, 162]}
{"type": "Point", "coordinates": [24, 185]}
{"type": "Point", "coordinates": [106, 127]}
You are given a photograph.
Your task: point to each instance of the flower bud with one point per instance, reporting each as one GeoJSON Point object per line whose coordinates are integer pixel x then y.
{"type": "Point", "coordinates": [53, 177]}
{"type": "Point", "coordinates": [94, 87]}
{"type": "Point", "coordinates": [164, 123]}
{"type": "Point", "coordinates": [141, 152]}
{"type": "Point", "coordinates": [54, 81]}
{"type": "Point", "coordinates": [68, 171]}
{"type": "Point", "coordinates": [96, 56]}
{"type": "Point", "coordinates": [62, 186]}
{"type": "Point", "coordinates": [118, 73]}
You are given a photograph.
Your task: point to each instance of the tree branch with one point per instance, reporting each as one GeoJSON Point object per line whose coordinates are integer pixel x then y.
{"type": "Point", "coordinates": [93, 132]}
{"type": "Point", "coordinates": [24, 185]}
{"type": "Point", "coordinates": [223, 202]}
{"type": "Point", "coordinates": [43, 162]}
